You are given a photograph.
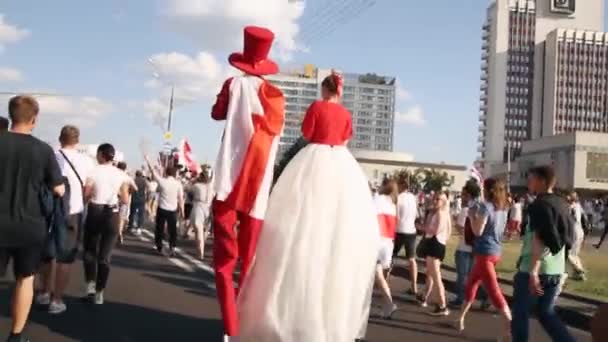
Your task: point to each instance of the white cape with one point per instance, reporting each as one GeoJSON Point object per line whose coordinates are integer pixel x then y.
{"type": "Point", "coordinates": [312, 277]}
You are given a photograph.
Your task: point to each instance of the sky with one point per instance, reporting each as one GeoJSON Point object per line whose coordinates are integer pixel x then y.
{"type": "Point", "coordinates": [110, 64]}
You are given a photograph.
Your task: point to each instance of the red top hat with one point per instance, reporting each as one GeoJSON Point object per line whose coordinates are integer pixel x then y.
{"type": "Point", "coordinates": [254, 59]}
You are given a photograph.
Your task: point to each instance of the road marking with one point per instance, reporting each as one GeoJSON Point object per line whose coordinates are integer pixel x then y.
{"type": "Point", "coordinates": [184, 255]}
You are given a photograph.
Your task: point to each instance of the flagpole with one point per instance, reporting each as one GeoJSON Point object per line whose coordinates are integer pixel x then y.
{"type": "Point", "coordinates": [170, 109]}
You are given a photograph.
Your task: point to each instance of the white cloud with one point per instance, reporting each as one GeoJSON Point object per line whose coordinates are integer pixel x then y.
{"type": "Point", "coordinates": [402, 93]}
{"type": "Point", "coordinates": [195, 78]}
{"type": "Point", "coordinates": [412, 116]}
{"type": "Point", "coordinates": [82, 111]}
{"type": "Point", "coordinates": [10, 33]}
{"type": "Point", "coordinates": [218, 24]}
{"type": "Point", "coordinates": [10, 74]}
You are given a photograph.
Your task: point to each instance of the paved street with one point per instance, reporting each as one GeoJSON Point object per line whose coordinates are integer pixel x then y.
{"type": "Point", "coordinates": [153, 298]}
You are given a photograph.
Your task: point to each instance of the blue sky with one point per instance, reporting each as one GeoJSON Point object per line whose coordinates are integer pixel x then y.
{"type": "Point", "coordinates": [96, 52]}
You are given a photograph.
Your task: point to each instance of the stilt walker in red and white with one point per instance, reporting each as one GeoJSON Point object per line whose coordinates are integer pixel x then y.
{"type": "Point", "coordinates": [254, 113]}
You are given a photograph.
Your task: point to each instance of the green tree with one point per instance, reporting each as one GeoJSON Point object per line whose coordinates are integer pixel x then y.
{"type": "Point", "coordinates": [414, 178]}
{"type": "Point", "coordinates": [288, 156]}
{"type": "Point", "coordinates": [435, 181]}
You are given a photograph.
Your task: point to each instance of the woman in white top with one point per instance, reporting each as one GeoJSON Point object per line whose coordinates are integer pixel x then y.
{"type": "Point", "coordinates": [105, 190]}
{"type": "Point", "coordinates": [202, 197]}
{"type": "Point", "coordinates": [437, 232]}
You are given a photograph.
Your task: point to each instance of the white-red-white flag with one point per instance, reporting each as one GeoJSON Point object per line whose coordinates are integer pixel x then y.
{"type": "Point", "coordinates": [186, 158]}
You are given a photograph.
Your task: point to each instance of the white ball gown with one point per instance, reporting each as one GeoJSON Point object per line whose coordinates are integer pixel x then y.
{"type": "Point", "coordinates": [312, 277]}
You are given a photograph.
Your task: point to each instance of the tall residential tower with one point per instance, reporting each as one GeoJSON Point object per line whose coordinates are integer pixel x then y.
{"type": "Point", "coordinates": [369, 97]}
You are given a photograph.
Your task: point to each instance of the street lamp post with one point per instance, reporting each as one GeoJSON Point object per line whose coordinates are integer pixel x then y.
{"type": "Point", "coordinates": [156, 75]}
{"type": "Point", "coordinates": [509, 165]}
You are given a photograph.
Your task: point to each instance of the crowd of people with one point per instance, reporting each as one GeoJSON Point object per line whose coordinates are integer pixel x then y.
{"type": "Point", "coordinates": [55, 204]}
{"type": "Point", "coordinates": [311, 250]}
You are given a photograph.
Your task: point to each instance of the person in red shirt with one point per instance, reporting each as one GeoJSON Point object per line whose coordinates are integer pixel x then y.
{"type": "Point", "coordinates": [313, 275]}
{"type": "Point", "coordinates": [387, 220]}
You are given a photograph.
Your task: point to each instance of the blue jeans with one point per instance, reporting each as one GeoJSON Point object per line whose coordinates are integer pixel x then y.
{"type": "Point", "coordinates": [543, 306]}
{"type": "Point", "coordinates": [464, 264]}
{"type": "Point", "coordinates": [138, 211]}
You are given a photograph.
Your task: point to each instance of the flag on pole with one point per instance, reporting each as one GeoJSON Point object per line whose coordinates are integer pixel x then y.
{"type": "Point", "coordinates": [476, 174]}
{"type": "Point", "coordinates": [186, 158]}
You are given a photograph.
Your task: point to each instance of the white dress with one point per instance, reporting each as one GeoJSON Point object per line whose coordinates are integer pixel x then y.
{"type": "Point", "coordinates": [202, 196]}
{"type": "Point", "coordinates": [312, 277]}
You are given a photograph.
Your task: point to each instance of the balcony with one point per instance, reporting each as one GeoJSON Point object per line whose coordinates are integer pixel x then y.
{"type": "Point", "coordinates": [484, 96]}
{"type": "Point", "coordinates": [481, 139]}
{"type": "Point", "coordinates": [483, 106]}
{"type": "Point", "coordinates": [482, 127]}
{"type": "Point", "coordinates": [481, 149]}
{"type": "Point", "coordinates": [484, 66]}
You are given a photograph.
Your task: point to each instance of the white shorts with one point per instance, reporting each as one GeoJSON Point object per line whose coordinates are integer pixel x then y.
{"type": "Point", "coordinates": [385, 255]}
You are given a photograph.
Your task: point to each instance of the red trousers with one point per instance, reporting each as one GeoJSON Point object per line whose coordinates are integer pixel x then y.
{"type": "Point", "coordinates": [228, 246]}
{"type": "Point", "coordinates": [484, 271]}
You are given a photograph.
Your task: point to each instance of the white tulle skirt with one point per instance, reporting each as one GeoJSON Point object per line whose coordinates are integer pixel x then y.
{"type": "Point", "coordinates": [312, 277]}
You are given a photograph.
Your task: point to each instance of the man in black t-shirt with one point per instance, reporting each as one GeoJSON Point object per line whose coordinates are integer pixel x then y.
{"type": "Point", "coordinates": [28, 167]}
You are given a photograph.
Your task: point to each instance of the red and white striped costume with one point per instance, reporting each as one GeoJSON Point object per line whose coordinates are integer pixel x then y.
{"type": "Point", "coordinates": [387, 221]}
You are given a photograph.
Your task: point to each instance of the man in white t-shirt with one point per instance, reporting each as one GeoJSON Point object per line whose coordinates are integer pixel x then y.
{"type": "Point", "coordinates": [170, 204]}
{"type": "Point", "coordinates": [75, 166]}
{"type": "Point", "coordinates": [407, 212]}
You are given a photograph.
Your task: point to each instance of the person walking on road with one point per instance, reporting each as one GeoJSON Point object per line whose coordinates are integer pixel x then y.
{"type": "Point", "coordinates": [138, 204]}
{"type": "Point", "coordinates": [488, 221]}
{"type": "Point", "coordinates": [438, 230]}
{"type": "Point", "coordinates": [28, 169]}
{"type": "Point", "coordinates": [105, 190]}
{"type": "Point", "coordinates": [387, 219]}
{"type": "Point", "coordinates": [124, 208]}
{"type": "Point", "coordinates": [170, 205]}
{"type": "Point", "coordinates": [313, 273]}
{"type": "Point", "coordinates": [76, 167]}
{"type": "Point", "coordinates": [574, 254]}
{"type": "Point", "coordinates": [202, 197]}
{"type": "Point", "coordinates": [543, 260]}
{"type": "Point", "coordinates": [463, 257]}
{"type": "Point", "coordinates": [407, 212]}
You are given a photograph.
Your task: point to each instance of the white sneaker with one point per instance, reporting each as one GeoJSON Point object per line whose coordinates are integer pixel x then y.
{"type": "Point", "coordinates": [57, 308]}
{"type": "Point", "coordinates": [43, 299]}
{"type": "Point", "coordinates": [388, 310]}
{"type": "Point", "coordinates": [91, 290]}
{"type": "Point", "coordinates": [138, 231]}
{"type": "Point", "coordinates": [99, 298]}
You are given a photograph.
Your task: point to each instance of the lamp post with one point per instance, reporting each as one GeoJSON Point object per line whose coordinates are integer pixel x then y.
{"type": "Point", "coordinates": [509, 165]}
{"type": "Point", "coordinates": [156, 75]}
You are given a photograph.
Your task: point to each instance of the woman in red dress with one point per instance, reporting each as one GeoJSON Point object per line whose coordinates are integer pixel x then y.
{"type": "Point", "coordinates": [315, 260]}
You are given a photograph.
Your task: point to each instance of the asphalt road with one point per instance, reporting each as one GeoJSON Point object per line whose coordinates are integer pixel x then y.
{"type": "Point", "coordinates": [154, 298]}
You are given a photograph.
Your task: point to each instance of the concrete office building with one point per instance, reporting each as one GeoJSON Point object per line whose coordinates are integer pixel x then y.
{"type": "Point", "coordinates": [513, 80]}
{"type": "Point", "coordinates": [576, 82]}
{"type": "Point", "coordinates": [369, 97]}
{"type": "Point", "coordinates": [580, 160]}
{"type": "Point", "coordinates": [379, 164]}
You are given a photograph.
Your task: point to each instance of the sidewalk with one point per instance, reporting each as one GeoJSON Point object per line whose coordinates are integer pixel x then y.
{"type": "Point", "coordinates": [575, 310]}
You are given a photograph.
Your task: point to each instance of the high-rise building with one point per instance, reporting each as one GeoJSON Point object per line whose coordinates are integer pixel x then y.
{"type": "Point", "coordinates": [576, 82]}
{"type": "Point", "coordinates": [513, 82]}
{"type": "Point", "coordinates": [369, 97]}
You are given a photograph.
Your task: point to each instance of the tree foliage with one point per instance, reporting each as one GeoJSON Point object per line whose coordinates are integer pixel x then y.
{"type": "Point", "coordinates": [414, 178]}
{"type": "Point", "coordinates": [426, 180]}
